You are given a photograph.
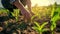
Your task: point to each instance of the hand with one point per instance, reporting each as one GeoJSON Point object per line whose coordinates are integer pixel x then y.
{"type": "Point", "coordinates": [26, 14]}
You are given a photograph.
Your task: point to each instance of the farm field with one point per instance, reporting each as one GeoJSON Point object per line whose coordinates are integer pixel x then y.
{"type": "Point", "coordinates": [45, 21]}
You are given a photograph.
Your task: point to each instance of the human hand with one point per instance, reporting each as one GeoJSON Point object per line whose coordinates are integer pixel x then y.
{"type": "Point", "coordinates": [26, 14]}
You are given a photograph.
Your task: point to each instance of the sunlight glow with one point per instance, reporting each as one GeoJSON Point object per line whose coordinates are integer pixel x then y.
{"type": "Point", "coordinates": [42, 2]}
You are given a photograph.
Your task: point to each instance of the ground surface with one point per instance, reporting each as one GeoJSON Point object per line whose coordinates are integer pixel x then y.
{"type": "Point", "coordinates": [8, 24]}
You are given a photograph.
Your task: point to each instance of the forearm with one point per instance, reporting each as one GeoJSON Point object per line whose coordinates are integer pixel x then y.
{"type": "Point", "coordinates": [28, 2]}
{"type": "Point", "coordinates": [19, 5]}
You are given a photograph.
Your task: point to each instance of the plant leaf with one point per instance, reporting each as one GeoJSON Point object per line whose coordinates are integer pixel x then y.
{"type": "Point", "coordinates": [36, 23]}
{"type": "Point", "coordinates": [36, 28]}
{"type": "Point", "coordinates": [45, 23]}
{"type": "Point", "coordinates": [45, 29]}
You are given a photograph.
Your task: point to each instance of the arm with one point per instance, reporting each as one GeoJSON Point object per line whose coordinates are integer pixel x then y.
{"type": "Point", "coordinates": [28, 2]}
{"type": "Point", "coordinates": [20, 6]}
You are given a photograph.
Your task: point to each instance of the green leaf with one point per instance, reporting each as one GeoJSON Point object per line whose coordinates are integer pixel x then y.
{"type": "Point", "coordinates": [36, 23]}
{"type": "Point", "coordinates": [42, 26]}
{"type": "Point", "coordinates": [55, 18]}
{"type": "Point", "coordinates": [33, 17]}
{"type": "Point", "coordinates": [53, 9]}
{"type": "Point", "coordinates": [53, 26]}
{"type": "Point", "coordinates": [36, 28]}
{"type": "Point", "coordinates": [12, 14]}
{"type": "Point", "coordinates": [45, 29]}
{"type": "Point", "coordinates": [16, 14]}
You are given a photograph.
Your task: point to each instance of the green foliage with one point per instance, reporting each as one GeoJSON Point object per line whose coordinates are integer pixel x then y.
{"type": "Point", "coordinates": [4, 11]}
{"type": "Point", "coordinates": [37, 16]}
{"type": "Point", "coordinates": [54, 17]}
{"type": "Point", "coordinates": [53, 21]}
{"type": "Point", "coordinates": [16, 14]}
{"type": "Point", "coordinates": [53, 10]}
{"type": "Point", "coordinates": [40, 28]}
{"type": "Point", "coordinates": [38, 11]}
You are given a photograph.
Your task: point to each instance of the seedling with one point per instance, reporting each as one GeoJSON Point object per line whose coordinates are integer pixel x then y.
{"type": "Point", "coordinates": [54, 18]}
{"type": "Point", "coordinates": [40, 28]}
{"type": "Point", "coordinates": [16, 14]}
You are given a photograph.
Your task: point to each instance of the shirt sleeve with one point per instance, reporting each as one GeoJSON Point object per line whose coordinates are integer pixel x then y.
{"type": "Point", "coordinates": [12, 1]}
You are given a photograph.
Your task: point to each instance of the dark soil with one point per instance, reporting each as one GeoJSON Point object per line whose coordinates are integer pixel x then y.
{"type": "Point", "coordinates": [10, 26]}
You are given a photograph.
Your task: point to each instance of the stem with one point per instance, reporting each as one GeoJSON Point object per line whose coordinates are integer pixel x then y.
{"type": "Point", "coordinates": [53, 8]}
{"type": "Point", "coordinates": [52, 32]}
{"type": "Point", "coordinates": [40, 32]}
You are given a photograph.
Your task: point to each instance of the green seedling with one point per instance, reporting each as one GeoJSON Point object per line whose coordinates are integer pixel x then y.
{"type": "Point", "coordinates": [35, 17]}
{"type": "Point", "coordinates": [53, 21]}
{"type": "Point", "coordinates": [4, 11]}
{"type": "Point", "coordinates": [55, 17]}
{"type": "Point", "coordinates": [16, 14]}
{"type": "Point", "coordinates": [40, 28]}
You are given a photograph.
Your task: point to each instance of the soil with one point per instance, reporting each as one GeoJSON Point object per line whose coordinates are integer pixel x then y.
{"type": "Point", "coordinates": [8, 25]}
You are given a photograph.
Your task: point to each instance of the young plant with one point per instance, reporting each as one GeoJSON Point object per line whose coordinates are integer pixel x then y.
{"type": "Point", "coordinates": [40, 28]}
{"type": "Point", "coordinates": [5, 11]}
{"type": "Point", "coordinates": [35, 17]}
{"type": "Point", "coordinates": [55, 17]}
{"type": "Point", "coordinates": [53, 22]}
{"type": "Point", "coordinates": [16, 14]}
